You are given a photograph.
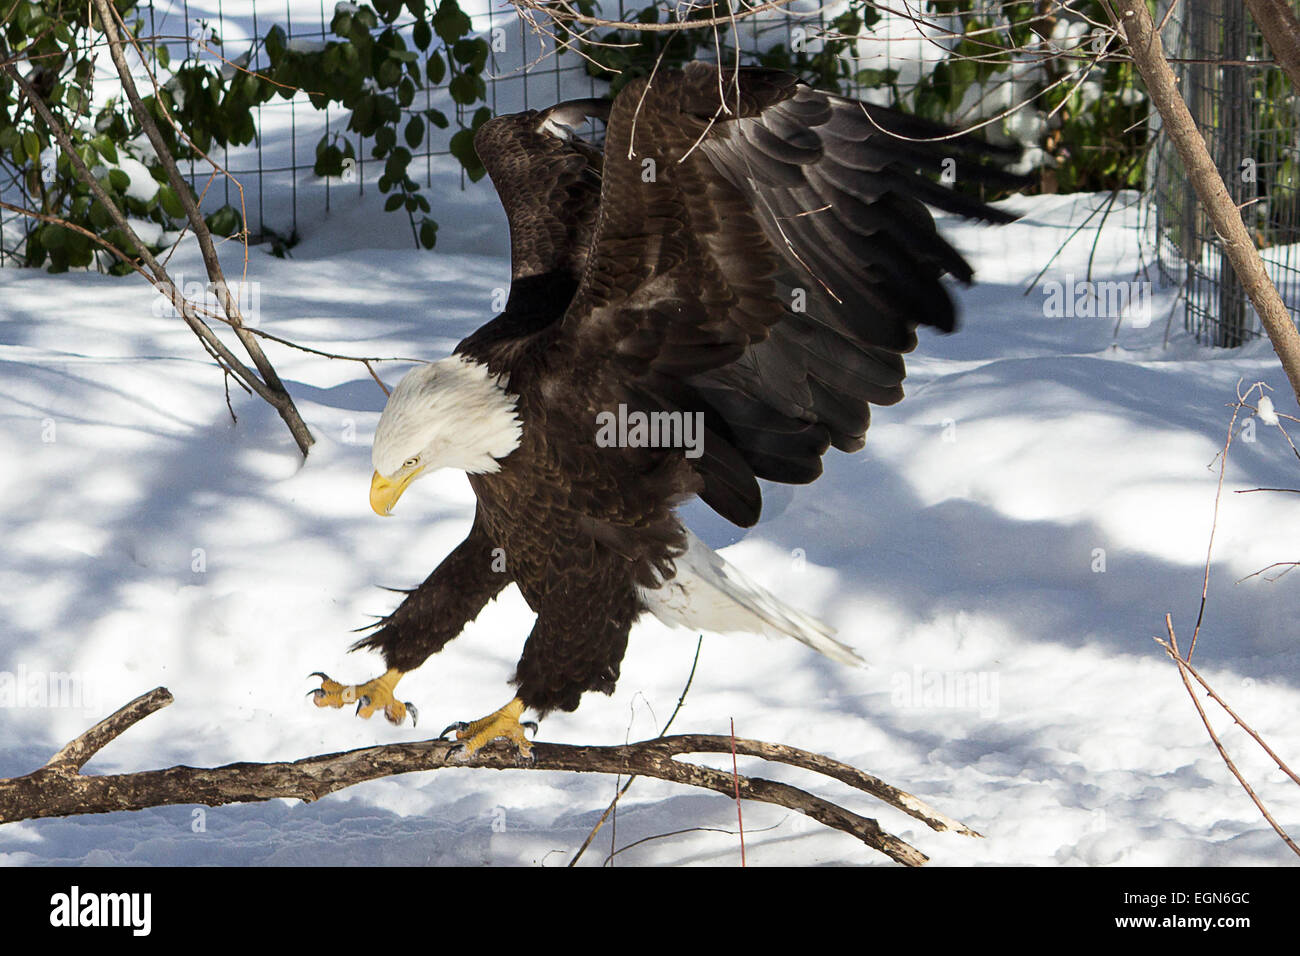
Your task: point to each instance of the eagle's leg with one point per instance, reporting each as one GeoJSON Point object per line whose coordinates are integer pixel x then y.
{"type": "Point", "coordinates": [501, 723]}
{"type": "Point", "coordinates": [371, 696]}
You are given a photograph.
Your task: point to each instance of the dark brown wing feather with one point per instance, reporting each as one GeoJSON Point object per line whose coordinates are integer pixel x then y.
{"type": "Point", "coordinates": [769, 262]}
{"type": "Point", "coordinates": [549, 185]}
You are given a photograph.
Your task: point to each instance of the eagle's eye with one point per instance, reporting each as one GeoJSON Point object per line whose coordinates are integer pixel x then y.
{"type": "Point", "coordinates": [410, 462]}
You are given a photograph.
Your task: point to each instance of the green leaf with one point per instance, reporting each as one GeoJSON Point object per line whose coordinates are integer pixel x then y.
{"type": "Point", "coordinates": [398, 160]}
{"type": "Point", "coordinates": [387, 110]}
{"type": "Point", "coordinates": [99, 217]}
{"type": "Point", "coordinates": [225, 221]}
{"type": "Point", "coordinates": [434, 68]}
{"type": "Point", "coordinates": [276, 42]}
{"type": "Point", "coordinates": [462, 147]}
{"type": "Point", "coordinates": [388, 9]}
{"type": "Point", "coordinates": [329, 159]}
{"type": "Point", "coordinates": [450, 22]}
{"type": "Point", "coordinates": [428, 233]}
{"type": "Point", "coordinates": [422, 35]}
{"type": "Point", "coordinates": [79, 249]}
{"type": "Point", "coordinates": [393, 202]}
{"type": "Point", "coordinates": [31, 146]}
{"type": "Point", "coordinates": [471, 52]}
{"type": "Point", "coordinates": [465, 88]}
{"type": "Point", "coordinates": [388, 73]}
{"type": "Point", "coordinates": [414, 132]}
{"type": "Point", "coordinates": [362, 114]}
{"type": "Point", "coordinates": [105, 146]}
{"type": "Point", "coordinates": [170, 202]}
{"type": "Point", "coordinates": [53, 237]}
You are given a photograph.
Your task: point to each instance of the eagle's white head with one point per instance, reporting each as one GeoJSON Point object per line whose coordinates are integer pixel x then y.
{"type": "Point", "coordinates": [452, 413]}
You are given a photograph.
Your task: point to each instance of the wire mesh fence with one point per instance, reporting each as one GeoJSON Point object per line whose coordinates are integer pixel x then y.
{"type": "Point", "coordinates": [273, 178]}
{"type": "Point", "coordinates": [894, 60]}
{"type": "Point", "coordinates": [276, 171]}
{"type": "Point", "coordinates": [1250, 118]}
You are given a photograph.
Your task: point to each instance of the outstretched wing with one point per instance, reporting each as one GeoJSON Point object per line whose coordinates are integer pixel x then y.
{"type": "Point", "coordinates": [764, 254]}
{"type": "Point", "coordinates": [549, 183]}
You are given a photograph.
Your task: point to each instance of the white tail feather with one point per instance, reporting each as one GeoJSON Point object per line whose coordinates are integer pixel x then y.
{"type": "Point", "coordinates": [709, 594]}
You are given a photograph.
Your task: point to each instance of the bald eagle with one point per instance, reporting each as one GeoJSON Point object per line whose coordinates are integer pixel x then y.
{"type": "Point", "coordinates": [718, 296]}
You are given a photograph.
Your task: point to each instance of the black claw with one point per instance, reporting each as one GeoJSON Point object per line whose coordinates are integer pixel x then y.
{"type": "Point", "coordinates": [459, 725]}
{"type": "Point", "coordinates": [320, 674]}
{"type": "Point", "coordinates": [530, 724]}
{"type": "Point", "coordinates": [414, 712]}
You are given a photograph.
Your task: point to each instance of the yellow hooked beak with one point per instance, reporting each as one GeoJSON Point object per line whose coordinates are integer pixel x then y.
{"type": "Point", "coordinates": [384, 493]}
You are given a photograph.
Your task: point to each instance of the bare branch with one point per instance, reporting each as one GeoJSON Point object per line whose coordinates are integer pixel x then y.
{"type": "Point", "coordinates": [1281, 28]}
{"type": "Point", "coordinates": [282, 402]}
{"type": "Point", "coordinates": [565, 15]}
{"type": "Point", "coordinates": [1185, 668]}
{"type": "Point", "coordinates": [56, 221]}
{"type": "Point", "coordinates": [58, 789]}
{"type": "Point", "coordinates": [76, 752]}
{"type": "Point", "coordinates": [1148, 56]}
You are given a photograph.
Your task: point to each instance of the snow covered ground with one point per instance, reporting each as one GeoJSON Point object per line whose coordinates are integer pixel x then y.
{"type": "Point", "coordinates": [1015, 530]}
{"type": "Point", "coordinates": [1001, 553]}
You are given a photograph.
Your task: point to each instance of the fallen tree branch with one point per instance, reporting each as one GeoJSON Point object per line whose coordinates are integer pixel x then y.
{"type": "Point", "coordinates": [60, 789]}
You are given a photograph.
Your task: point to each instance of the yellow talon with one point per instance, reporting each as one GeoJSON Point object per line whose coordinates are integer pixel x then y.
{"type": "Point", "coordinates": [369, 697]}
{"type": "Point", "coordinates": [502, 723]}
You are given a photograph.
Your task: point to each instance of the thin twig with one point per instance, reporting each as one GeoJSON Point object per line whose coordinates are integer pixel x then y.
{"type": "Point", "coordinates": [1184, 668]}
{"type": "Point", "coordinates": [735, 776]}
{"type": "Point", "coordinates": [613, 803]}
